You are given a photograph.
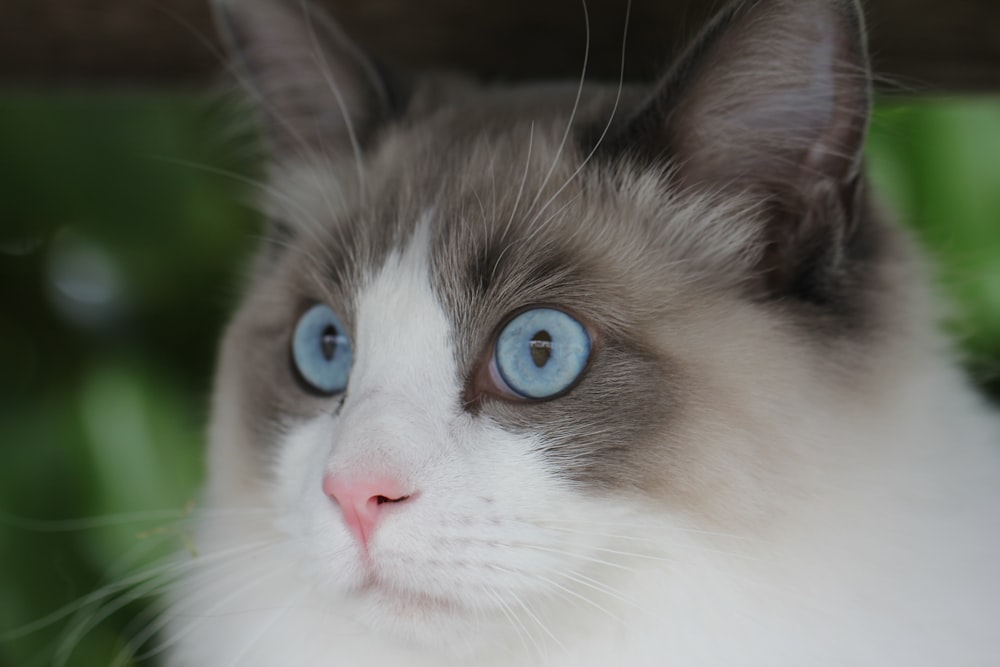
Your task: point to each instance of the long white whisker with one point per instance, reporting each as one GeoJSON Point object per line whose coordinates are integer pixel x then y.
{"type": "Point", "coordinates": [592, 559]}
{"type": "Point", "coordinates": [324, 66]}
{"type": "Point", "coordinates": [81, 628]}
{"type": "Point", "coordinates": [648, 540]}
{"type": "Point", "coordinates": [254, 183]}
{"type": "Point", "coordinates": [539, 227]}
{"type": "Point", "coordinates": [264, 629]}
{"type": "Point", "coordinates": [524, 179]}
{"type": "Point", "coordinates": [312, 230]}
{"type": "Point", "coordinates": [534, 617]}
{"type": "Point", "coordinates": [255, 575]}
{"type": "Point", "coordinates": [229, 63]}
{"type": "Point", "coordinates": [576, 107]}
{"type": "Point", "coordinates": [87, 523]}
{"type": "Point", "coordinates": [152, 583]}
{"type": "Point", "coordinates": [519, 629]}
{"type": "Point", "coordinates": [237, 71]}
{"type": "Point", "coordinates": [607, 126]}
{"type": "Point", "coordinates": [548, 521]}
{"type": "Point", "coordinates": [91, 598]}
{"type": "Point", "coordinates": [593, 584]}
{"type": "Point", "coordinates": [582, 598]}
{"type": "Point", "coordinates": [101, 521]}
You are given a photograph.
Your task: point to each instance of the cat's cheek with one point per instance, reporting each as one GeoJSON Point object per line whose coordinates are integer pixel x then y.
{"type": "Point", "coordinates": [300, 457]}
{"type": "Point", "coordinates": [310, 520]}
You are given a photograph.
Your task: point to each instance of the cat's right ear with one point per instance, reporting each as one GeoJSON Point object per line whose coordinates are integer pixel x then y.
{"type": "Point", "coordinates": [771, 103]}
{"type": "Point", "coordinates": [315, 89]}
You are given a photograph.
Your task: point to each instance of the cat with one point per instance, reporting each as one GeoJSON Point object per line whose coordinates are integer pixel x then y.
{"type": "Point", "coordinates": [570, 375]}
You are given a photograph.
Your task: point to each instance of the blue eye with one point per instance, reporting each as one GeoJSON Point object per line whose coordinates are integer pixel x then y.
{"type": "Point", "coordinates": [541, 352]}
{"type": "Point", "coordinates": [321, 350]}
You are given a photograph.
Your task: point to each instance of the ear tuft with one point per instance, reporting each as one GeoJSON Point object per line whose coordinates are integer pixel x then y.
{"type": "Point", "coordinates": [772, 101]}
{"type": "Point", "coordinates": [315, 88]}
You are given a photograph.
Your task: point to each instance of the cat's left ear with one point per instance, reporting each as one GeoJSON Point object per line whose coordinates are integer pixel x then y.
{"type": "Point", "coordinates": [772, 101]}
{"type": "Point", "coordinates": [315, 88]}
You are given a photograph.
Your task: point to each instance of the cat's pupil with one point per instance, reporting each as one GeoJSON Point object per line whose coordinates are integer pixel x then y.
{"type": "Point", "coordinates": [328, 342]}
{"type": "Point", "coordinates": [541, 348]}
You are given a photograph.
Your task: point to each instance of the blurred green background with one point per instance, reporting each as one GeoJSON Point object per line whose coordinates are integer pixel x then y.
{"type": "Point", "coordinates": [122, 239]}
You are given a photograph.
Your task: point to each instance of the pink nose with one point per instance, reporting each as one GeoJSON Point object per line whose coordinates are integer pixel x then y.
{"type": "Point", "coordinates": [362, 501]}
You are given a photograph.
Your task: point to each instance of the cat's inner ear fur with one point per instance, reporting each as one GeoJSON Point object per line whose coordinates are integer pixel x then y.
{"type": "Point", "coordinates": [771, 101]}
{"type": "Point", "coordinates": [315, 89]}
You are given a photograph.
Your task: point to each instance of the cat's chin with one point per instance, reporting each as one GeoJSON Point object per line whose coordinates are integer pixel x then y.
{"type": "Point", "coordinates": [438, 623]}
{"type": "Point", "coordinates": [403, 602]}
{"type": "Point", "coordinates": [389, 596]}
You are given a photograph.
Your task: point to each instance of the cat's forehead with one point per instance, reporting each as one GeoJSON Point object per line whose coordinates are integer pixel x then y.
{"type": "Point", "coordinates": [468, 153]}
{"type": "Point", "coordinates": [496, 187]}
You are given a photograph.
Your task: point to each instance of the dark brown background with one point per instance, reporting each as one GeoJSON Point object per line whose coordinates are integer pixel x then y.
{"type": "Point", "coordinates": [919, 46]}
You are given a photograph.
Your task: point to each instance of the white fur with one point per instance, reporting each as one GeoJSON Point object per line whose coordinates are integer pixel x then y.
{"type": "Point", "coordinates": [884, 554]}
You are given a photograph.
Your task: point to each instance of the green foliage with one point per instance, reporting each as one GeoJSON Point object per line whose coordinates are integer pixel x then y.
{"type": "Point", "coordinates": [120, 248]}
{"type": "Point", "coordinates": [940, 163]}
{"type": "Point", "coordinates": [121, 244]}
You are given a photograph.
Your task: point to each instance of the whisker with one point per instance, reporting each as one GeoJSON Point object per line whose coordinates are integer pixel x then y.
{"type": "Point", "coordinates": [582, 598]}
{"type": "Point", "coordinates": [592, 559]}
{"type": "Point", "coordinates": [593, 584]}
{"type": "Point", "coordinates": [266, 627]}
{"type": "Point", "coordinates": [254, 575]}
{"type": "Point", "coordinates": [72, 639]}
{"type": "Point", "coordinates": [105, 592]}
{"type": "Point", "coordinates": [324, 67]}
{"type": "Point", "coordinates": [640, 526]}
{"type": "Point", "coordinates": [607, 126]}
{"type": "Point", "coordinates": [576, 107]}
{"type": "Point", "coordinates": [237, 70]}
{"type": "Point", "coordinates": [101, 521]}
{"type": "Point", "coordinates": [520, 189]}
{"type": "Point", "coordinates": [519, 627]}
{"type": "Point", "coordinates": [312, 230]}
{"type": "Point", "coordinates": [662, 541]}
{"type": "Point", "coordinates": [263, 186]}
{"type": "Point", "coordinates": [538, 228]}
{"type": "Point", "coordinates": [153, 585]}
{"type": "Point", "coordinates": [87, 523]}
{"type": "Point", "coordinates": [538, 621]}
{"type": "Point", "coordinates": [203, 40]}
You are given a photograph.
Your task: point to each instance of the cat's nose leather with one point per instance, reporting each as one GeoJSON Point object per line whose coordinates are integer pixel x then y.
{"type": "Point", "coordinates": [362, 501]}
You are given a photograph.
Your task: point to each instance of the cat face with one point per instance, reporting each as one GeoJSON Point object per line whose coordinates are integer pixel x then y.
{"type": "Point", "coordinates": [499, 490]}
{"type": "Point", "coordinates": [689, 275]}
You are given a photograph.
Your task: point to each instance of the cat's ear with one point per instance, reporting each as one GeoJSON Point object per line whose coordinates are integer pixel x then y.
{"type": "Point", "coordinates": [772, 100]}
{"type": "Point", "coordinates": [315, 88]}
